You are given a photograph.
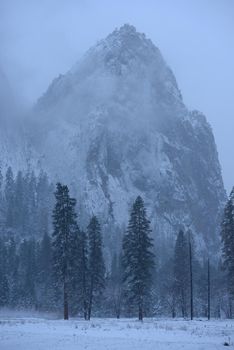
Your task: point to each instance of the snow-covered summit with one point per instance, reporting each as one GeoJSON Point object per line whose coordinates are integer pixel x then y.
{"type": "Point", "coordinates": [124, 55]}
{"type": "Point", "coordinates": [124, 46]}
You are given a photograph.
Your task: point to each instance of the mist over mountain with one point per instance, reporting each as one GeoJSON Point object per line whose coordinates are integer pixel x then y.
{"type": "Point", "coordinates": [114, 127]}
{"type": "Point", "coordinates": [14, 147]}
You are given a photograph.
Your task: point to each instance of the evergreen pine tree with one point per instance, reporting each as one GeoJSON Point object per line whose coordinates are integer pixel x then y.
{"type": "Point", "coordinates": [13, 272]}
{"type": "Point", "coordinates": [167, 297]}
{"type": "Point", "coordinates": [9, 197]}
{"type": "Point", "coordinates": [27, 273]}
{"type": "Point", "coordinates": [44, 273]}
{"type": "Point", "coordinates": [227, 235]}
{"type": "Point", "coordinates": [181, 272]}
{"type": "Point", "coordinates": [191, 277]}
{"type": "Point", "coordinates": [82, 271]}
{"type": "Point", "coordinates": [64, 220]}
{"type": "Point", "coordinates": [96, 267]}
{"type": "Point", "coordinates": [45, 203]}
{"type": "Point", "coordinates": [115, 282]}
{"type": "Point", "coordinates": [208, 289]}
{"type": "Point", "coordinates": [4, 286]}
{"type": "Point", "coordinates": [20, 203]}
{"type": "Point", "coordinates": [75, 287]}
{"type": "Point", "coordinates": [30, 205]}
{"type": "Point", "coordinates": [2, 216]}
{"type": "Point", "coordinates": [138, 259]}
{"type": "Point", "coordinates": [1, 184]}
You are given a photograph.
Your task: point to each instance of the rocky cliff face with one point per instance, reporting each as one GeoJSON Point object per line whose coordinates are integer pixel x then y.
{"type": "Point", "coordinates": [115, 127]}
{"type": "Point", "coordinates": [14, 148]}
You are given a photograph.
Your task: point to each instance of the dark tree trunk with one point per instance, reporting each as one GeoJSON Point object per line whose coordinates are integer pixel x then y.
{"type": "Point", "coordinates": [117, 311]}
{"type": "Point", "coordinates": [65, 302]}
{"type": "Point", "coordinates": [118, 306]}
{"type": "Point", "coordinates": [183, 312]}
{"type": "Point", "coordinates": [208, 289]}
{"type": "Point", "coordinates": [84, 286]}
{"type": "Point", "coordinates": [89, 312]}
{"type": "Point", "coordinates": [140, 314]}
{"type": "Point", "coordinates": [85, 310]}
{"type": "Point", "coordinates": [230, 308]}
{"type": "Point", "coordinates": [183, 303]}
{"type": "Point", "coordinates": [191, 279]}
{"type": "Point", "coordinates": [173, 312]}
{"type": "Point", "coordinates": [90, 302]}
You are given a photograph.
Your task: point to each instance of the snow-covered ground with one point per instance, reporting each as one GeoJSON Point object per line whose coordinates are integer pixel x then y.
{"type": "Point", "coordinates": [25, 333]}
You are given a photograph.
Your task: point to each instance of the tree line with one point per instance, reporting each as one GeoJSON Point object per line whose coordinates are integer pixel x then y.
{"type": "Point", "coordinates": [26, 201]}
{"type": "Point", "coordinates": [68, 270]}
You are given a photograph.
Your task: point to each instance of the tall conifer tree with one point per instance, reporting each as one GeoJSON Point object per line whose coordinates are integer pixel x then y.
{"type": "Point", "coordinates": [1, 184]}
{"type": "Point", "coordinates": [4, 286]}
{"type": "Point", "coordinates": [181, 272]}
{"type": "Point", "coordinates": [9, 197]}
{"type": "Point", "coordinates": [96, 267]}
{"type": "Point", "coordinates": [83, 271]}
{"type": "Point", "coordinates": [138, 258]}
{"type": "Point", "coordinates": [227, 235]}
{"type": "Point", "coordinates": [65, 227]}
{"type": "Point", "coordinates": [44, 262]}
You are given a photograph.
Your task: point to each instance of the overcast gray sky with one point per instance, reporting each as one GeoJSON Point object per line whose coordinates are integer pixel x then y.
{"type": "Point", "coordinates": [41, 38]}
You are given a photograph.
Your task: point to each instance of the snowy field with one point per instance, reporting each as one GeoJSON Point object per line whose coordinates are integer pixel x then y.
{"type": "Point", "coordinates": [25, 333]}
